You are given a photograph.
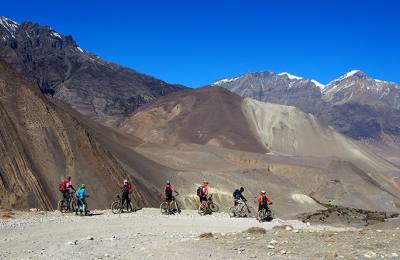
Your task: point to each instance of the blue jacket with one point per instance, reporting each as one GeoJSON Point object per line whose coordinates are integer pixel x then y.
{"type": "Point", "coordinates": [81, 193]}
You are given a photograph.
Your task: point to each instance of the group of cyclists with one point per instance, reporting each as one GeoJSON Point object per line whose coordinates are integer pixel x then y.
{"type": "Point", "coordinates": [68, 190]}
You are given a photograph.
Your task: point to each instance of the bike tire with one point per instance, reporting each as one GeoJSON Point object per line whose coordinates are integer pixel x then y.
{"type": "Point", "coordinates": [131, 207]}
{"type": "Point", "coordinates": [232, 212]}
{"type": "Point", "coordinates": [213, 207]}
{"type": "Point", "coordinates": [249, 212]}
{"type": "Point", "coordinates": [201, 210]}
{"type": "Point", "coordinates": [262, 215]}
{"type": "Point", "coordinates": [116, 207]}
{"type": "Point", "coordinates": [178, 209]}
{"type": "Point", "coordinates": [73, 206]}
{"type": "Point", "coordinates": [164, 208]}
{"type": "Point", "coordinates": [62, 206]}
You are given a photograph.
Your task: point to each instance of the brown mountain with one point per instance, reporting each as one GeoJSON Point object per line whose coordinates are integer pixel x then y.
{"type": "Point", "coordinates": [40, 143]}
{"type": "Point", "coordinates": [212, 134]}
{"type": "Point", "coordinates": [210, 116]}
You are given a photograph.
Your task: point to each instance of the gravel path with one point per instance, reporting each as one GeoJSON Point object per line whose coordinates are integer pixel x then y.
{"type": "Point", "coordinates": [147, 234]}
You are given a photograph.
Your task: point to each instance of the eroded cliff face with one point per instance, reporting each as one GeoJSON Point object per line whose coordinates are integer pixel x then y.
{"type": "Point", "coordinates": [40, 144]}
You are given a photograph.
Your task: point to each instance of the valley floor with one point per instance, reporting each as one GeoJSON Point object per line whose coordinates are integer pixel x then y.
{"type": "Point", "coordinates": [147, 234]}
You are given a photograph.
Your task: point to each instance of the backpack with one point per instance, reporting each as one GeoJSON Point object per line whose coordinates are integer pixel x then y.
{"type": "Point", "coordinates": [200, 191]}
{"type": "Point", "coordinates": [264, 200]}
{"type": "Point", "coordinates": [236, 194]}
{"type": "Point", "coordinates": [61, 186]}
{"type": "Point", "coordinates": [168, 192]}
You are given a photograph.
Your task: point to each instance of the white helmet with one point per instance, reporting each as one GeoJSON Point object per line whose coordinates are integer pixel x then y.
{"type": "Point", "coordinates": [125, 181]}
{"type": "Point", "coordinates": [263, 192]}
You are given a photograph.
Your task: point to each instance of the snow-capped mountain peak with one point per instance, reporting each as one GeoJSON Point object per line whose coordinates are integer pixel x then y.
{"type": "Point", "coordinates": [9, 25]}
{"type": "Point", "coordinates": [290, 76]}
{"type": "Point", "coordinates": [351, 73]}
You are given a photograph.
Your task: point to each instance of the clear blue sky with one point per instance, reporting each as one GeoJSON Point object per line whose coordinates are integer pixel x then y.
{"type": "Point", "coordinates": [196, 42]}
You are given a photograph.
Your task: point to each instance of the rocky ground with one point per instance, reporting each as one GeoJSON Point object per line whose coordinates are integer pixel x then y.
{"type": "Point", "coordinates": [147, 234]}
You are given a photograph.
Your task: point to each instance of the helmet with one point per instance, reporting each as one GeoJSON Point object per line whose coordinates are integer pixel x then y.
{"type": "Point", "coordinates": [205, 182]}
{"type": "Point", "coordinates": [263, 192]}
{"type": "Point", "coordinates": [168, 182]}
{"type": "Point", "coordinates": [241, 189]}
{"type": "Point", "coordinates": [125, 181]}
{"type": "Point", "coordinates": [83, 186]}
{"type": "Point", "coordinates": [68, 177]}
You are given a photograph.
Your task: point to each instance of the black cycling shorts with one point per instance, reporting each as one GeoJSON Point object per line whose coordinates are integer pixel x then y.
{"type": "Point", "coordinates": [168, 198]}
{"type": "Point", "coordinates": [203, 199]}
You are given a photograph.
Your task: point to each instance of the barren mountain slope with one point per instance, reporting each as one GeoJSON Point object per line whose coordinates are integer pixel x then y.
{"type": "Point", "coordinates": [355, 104]}
{"type": "Point", "coordinates": [210, 116]}
{"type": "Point", "coordinates": [335, 170]}
{"type": "Point", "coordinates": [40, 144]}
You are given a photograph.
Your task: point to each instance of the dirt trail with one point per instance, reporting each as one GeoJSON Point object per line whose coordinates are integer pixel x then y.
{"type": "Point", "coordinates": [147, 234]}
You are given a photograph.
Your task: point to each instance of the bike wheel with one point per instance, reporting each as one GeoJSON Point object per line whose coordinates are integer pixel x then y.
{"type": "Point", "coordinates": [164, 208]}
{"type": "Point", "coordinates": [116, 207]}
{"type": "Point", "coordinates": [262, 215]}
{"type": "Point", "coordinates": [62, 206]}
{"type": "Point", "coordinates": [213, 207]}
{"type": "Point", "coordinates": [131, 207]}
{"type": "Point", "coordinates": [249, 212]}
{"type": "Point", "coordinates": [232, 212]}
{"type": "Point", "coordinates": [178, 209]}
{"type": "Point", "coordinates": [73, 206]}
{"type": "Point", "coordinates": [201, 210]}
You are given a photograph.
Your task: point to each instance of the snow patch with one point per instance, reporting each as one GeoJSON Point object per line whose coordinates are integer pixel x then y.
{"type": "Point", "coordinates": [318, 84]}
{"type": "Point", "coordinates": [55, 34]}
{"type": "Point", "coordinates": [80, 49]}
{"type": "Point", "coordinates": [223, 81]}
{"type": "Point", "coordinates": [290, 76]}
{"type": "Point", "coordinates": [351, 73]}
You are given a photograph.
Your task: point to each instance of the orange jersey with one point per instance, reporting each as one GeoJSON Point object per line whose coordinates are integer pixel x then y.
{"type": "Point", "coordinates": [260, 199]}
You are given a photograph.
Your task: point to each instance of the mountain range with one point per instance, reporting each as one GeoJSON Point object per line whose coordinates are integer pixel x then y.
{"type": "Point", "coordinates": [64, 111]}
{"type": "Point", "coordinates": [355, 104]}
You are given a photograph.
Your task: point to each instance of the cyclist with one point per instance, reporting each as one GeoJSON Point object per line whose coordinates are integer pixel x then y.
{"type": "Point", "coordinates": [126, 188]}
{"type": "Point", "coordinates": [263, 201]}
{"type": "Point", "coordinates": [81, 196]}
{"type": "Point", "coordinates": [66, 188]}
{"type": "Point", "coordinates": [202, 192]}
{"type": "Point", "coordinates": [168, 191]}
{"type": "Point", "coordinates": [238, 196]}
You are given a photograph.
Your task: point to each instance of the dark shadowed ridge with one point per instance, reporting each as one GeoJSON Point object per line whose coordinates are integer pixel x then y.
{"type": "Point", "coordinates": [92, 86]}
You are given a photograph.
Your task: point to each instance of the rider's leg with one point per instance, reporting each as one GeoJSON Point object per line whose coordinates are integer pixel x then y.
{"type": "Point", "coordinates": [123, 199]}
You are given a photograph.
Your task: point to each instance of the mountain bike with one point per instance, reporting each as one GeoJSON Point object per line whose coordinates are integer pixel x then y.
{"type": "Point", "coordinates": [67, 204]}
{"type": "Point", "coordinates": [173, 207]}
{"type": "Point", "coordinates": [117, 207]}
{"type": "Point", "coordinates": [211, 206]}
{"type": "Point", "coordinates": [242, 210]}
{"type": "Point", "coordinates": [264, 215]}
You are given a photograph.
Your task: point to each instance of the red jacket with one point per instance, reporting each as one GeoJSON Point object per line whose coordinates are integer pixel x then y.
{"type": "Point", "coordinates": [169, 186]}
{"type": "Point", "coordinates": [126, 186]}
